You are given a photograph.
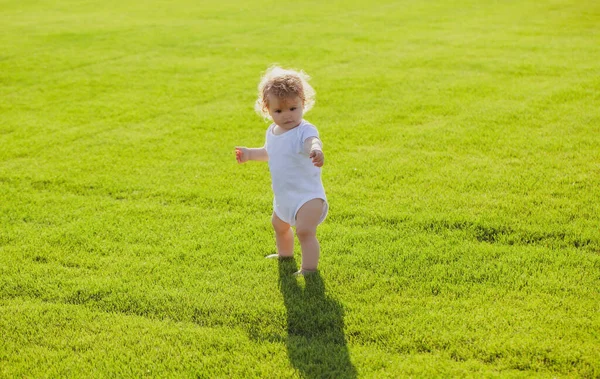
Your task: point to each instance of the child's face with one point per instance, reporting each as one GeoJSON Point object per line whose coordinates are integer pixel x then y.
{"type": "Point", "coordinates": [286, 112]}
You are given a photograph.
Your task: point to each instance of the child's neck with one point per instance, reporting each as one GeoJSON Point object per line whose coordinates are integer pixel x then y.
{"type": "Point", "coordinates": [278, 130]}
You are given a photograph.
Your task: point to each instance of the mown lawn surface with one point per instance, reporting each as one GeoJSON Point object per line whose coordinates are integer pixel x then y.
{"type": "Point", "coordinates": [462, 143]}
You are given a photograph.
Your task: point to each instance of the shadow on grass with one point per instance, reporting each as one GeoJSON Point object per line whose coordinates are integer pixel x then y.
{"type": "Point", "coordinates": [316, 343]}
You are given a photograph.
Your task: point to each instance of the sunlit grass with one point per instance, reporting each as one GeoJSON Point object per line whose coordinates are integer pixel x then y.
{"type": "Point", "coordinates": [462, 168]}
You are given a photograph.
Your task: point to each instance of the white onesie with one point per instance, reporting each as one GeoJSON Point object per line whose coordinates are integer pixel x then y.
{"type": "Point", "coordinates": [295, 179]}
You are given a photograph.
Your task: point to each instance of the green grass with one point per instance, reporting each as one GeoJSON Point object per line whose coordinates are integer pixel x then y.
{"type": "Point", "coordinates": [462, 168]}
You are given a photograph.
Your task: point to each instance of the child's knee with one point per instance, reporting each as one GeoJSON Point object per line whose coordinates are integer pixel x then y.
{"type": "Point", "coordinates": [303, 232]}
{"type": "Point", "coordinates": [281, 229]}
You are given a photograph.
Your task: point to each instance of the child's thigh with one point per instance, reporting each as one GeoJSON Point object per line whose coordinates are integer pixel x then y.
{"type": "Point", "coordinates": [309, 214]}
{"type": "Point", "coordinates": [278, 224]}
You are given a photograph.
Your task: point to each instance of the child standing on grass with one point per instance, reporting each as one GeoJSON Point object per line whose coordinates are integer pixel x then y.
{"type": "Point", "coordinates": [295, 155]}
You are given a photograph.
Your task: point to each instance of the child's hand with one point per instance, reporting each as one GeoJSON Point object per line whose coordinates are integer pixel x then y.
{"type": "Point", "coordinates": [317, 157]}
{"type": "Point", "coordinates": [242, 155]}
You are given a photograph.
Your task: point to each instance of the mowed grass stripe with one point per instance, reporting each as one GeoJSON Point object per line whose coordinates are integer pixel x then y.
{"type": "Point", "coordinates": [462, 163]}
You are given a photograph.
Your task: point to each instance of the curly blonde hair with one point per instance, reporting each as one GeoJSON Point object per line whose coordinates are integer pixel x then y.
{"type": "Point", "coordinates": [283, 83]}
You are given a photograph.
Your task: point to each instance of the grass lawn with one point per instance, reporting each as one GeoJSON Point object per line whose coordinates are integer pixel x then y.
{"type": "Point", "coordinates": [462, 144]}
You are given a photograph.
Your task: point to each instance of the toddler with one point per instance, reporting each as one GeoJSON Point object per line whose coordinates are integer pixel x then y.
{"type": "Point", "coordinates": [295, 156]}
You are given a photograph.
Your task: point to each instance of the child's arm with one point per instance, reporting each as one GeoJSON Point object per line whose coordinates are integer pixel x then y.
{"type": "Point", "coordinates": [245, 154]}
{"type": "Point", "coordinates": [314, 148]}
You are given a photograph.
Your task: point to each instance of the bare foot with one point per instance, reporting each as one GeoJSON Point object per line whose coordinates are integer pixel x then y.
{"type": "Point", "coordinates": [277, 256]}
{"type": "Point", "coordinates": [304, 272]}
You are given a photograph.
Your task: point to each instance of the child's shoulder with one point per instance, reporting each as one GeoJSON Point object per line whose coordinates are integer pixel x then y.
{"type": "Point", "coordinates": [306, 129]}
{"type": "Point", "coordinates": [306, 125]}
{"type": "Point", "coordinates": [270, 128]}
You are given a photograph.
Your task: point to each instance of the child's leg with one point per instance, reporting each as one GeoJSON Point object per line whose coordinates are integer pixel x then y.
{"type": "Point", "coordinates": [284, 237]}
{"type": "Point", "coordinates": [307, 219]}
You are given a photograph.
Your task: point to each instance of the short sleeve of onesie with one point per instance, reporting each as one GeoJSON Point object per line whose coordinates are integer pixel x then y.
{"type": "Point", "coordinates": [267, 136]}
{"type": "Point", "coordinates": [307, 130]}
